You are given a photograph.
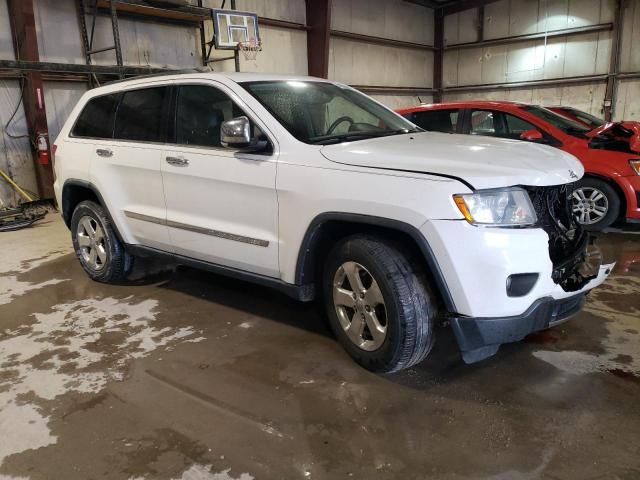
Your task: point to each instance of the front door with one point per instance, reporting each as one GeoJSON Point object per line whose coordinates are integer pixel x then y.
{"type": "Point", "coordinates": [221, 204]}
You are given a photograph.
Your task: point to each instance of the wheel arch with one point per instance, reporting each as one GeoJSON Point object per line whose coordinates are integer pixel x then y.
{"type": "Point", "coordinates": [613, 184]}
{"type": "Point", "coordinates": [328, 228]}
{"type": "Point", "coordinates": [75, 191]}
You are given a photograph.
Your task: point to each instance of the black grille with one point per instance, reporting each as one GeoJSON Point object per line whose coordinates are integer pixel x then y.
{"type": "Point", "coordinates": [567, 240]}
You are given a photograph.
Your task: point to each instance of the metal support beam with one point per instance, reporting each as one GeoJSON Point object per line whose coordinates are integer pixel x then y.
{"type": "Point", "coordinates": [553, 82]}
{"type": "Point", "coordinates": [78, 68]}
{"type": "Point", "coordinates": [565, 32]}
{"type": "Point", "coordinates": [456, 6]}
{"type": "Point", "coordinates": [374, 89]}
{"type": "Point", "coordinates": [380, 40]}
{"type": "Point", "coordinates": [438, 55]}
{"type": "Point", "coordinates": [319, 22]}
{"type": "Point", "coordinates": [236, 53]}
{"type": "Point", "coordinates": [116, 34]}
{"type": "Point", "coordinates": [26, 48]}
{"type": "Point", "coordinates": [614, 65]}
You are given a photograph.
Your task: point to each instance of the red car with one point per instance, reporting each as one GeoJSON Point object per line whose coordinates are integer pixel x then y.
{"type": "Point", "coordinates": [610, 189]}
{"type": "Point", "coordinates": [578, 116]}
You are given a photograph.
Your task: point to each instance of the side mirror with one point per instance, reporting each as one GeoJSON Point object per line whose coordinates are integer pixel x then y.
{"type": "Point", "coordinates": [532, 135]}
{"type": "Point", "coordinates": [236, 133]}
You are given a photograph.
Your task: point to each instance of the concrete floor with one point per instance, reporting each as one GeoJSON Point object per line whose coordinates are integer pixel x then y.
{"type": "Point", "coordinates": [195, 377]}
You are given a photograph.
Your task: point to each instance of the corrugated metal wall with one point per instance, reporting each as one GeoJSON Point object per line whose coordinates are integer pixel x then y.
{"type": "Point", "coordinates": [283, 50]}
{"type": "Point", "coordinates": [359, 63]}
{"type": "Point", "coordinates": [561, 57]}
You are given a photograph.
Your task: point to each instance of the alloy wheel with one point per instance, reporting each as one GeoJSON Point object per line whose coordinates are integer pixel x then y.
{"type": "Point", "coordinates": [91, 240]}
{"type": "Point", "coordinates": [590, 205]}
{"type": "Point", "coordinates": [360, 306]}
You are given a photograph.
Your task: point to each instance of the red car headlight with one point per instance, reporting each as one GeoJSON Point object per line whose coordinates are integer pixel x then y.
{"type": "Point", "coordinates": [635, 164]}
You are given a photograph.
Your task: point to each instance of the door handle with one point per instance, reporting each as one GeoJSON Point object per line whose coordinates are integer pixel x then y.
{"type": "Point", "coordinates": [104, 152]}
{"type": "Point", "coordinates": [177, 161]}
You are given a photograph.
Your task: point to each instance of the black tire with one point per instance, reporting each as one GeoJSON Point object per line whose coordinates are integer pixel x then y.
{"type": "Point", "coordinates": [612, 198]}
{"type": "Point", "coordinates": [409, 304]}
{"type": "Point", "coordinates": [118, 262]}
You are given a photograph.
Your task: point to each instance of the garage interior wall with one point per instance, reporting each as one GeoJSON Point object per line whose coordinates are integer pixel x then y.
{"type": "Point", "coordinates": [362, 63]}
{"type": "Point", "coordinates": [585, 54]}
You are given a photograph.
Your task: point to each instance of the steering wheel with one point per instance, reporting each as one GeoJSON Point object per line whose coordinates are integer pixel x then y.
{"type": "Point", "coordinates": [338, 122]}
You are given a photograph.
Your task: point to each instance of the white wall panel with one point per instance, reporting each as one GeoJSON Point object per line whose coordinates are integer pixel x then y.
{"type": "Point", "coordinates": [585, 54]}
{"type": "Point", "coordinates": [393, 19]}
{"type": "Point", "coordinates": [283, 51]}
{"type": "Point", "coordinates": [461, 27]}
{"type": "Point", "coordinates": [15, 154]}
{"type": "Point", "coordinates": [627, 105]}
{"type": "Point", "coordinates": [629, 51]}
{"type": "Point", "coordinates": [585, 97]}
{"type": "Point", "coordinates": [520, 17]}
{"type": "Point", "coordinates": [60, 98]}
{"type": "Point", "coordinates": [289, 10]}
{"type": "Point", "coordinates": [6, 42]}
{"type": "Point", "coordinates": [361, 63]}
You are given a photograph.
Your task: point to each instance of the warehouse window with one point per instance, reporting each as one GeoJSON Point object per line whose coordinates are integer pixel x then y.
{"type": "Point", "coordinates": [97, 117]}
{"type": "Point", "coordinates": [141, 115]}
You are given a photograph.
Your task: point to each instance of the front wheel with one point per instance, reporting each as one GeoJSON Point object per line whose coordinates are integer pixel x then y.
{"type": "Point", "coordinates": [595, 204]}
{"type": "Point", "coordinates": [378, 307]}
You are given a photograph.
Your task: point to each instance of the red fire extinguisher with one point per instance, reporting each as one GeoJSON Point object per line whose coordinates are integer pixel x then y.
{"type": "Point", "coordinates": [42, 144]}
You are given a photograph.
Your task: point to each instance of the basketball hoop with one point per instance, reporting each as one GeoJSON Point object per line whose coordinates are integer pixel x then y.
{"type": "Point", "coordinates": [250, 48]}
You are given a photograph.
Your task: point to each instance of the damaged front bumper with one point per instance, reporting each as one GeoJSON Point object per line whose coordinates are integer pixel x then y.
{"type": "Point", "coordinates": [480, 337]}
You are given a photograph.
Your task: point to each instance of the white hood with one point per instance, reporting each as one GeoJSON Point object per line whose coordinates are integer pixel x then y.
{"type": "Point", "coordinates": [483, 162]}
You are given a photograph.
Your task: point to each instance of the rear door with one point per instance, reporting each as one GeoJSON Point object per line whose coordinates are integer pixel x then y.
{"type": "Point", "coordinates": [221, 204]}
{"type": "Point", "coordinates": [126, 168]}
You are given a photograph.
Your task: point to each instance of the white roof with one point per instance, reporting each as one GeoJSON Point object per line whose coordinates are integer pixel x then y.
{"type": "Point", "coordinates": [223, 77]}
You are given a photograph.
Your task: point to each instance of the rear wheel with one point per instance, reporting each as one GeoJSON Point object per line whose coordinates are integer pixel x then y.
{"type": "Point", "coordinates": [97, 247]}
{"type": "Point", "coordinates": [596, 204]}
{"type": "Point", "coordinates": [378, 307]}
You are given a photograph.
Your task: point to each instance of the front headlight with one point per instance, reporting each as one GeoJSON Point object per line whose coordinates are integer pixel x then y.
{"type": "Point", "coordinates": [504, 207]}
{"type": "Point", "coordinates": [635, 164]}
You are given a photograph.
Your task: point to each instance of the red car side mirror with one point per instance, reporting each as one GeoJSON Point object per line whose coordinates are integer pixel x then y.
{"type": "Point", "coordinates": [532, 135]}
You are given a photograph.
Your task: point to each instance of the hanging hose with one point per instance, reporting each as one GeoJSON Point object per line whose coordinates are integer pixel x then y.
{"type": "Point", "coordinates": [6, 127]}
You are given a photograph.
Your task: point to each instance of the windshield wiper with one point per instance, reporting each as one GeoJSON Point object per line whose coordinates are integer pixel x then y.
{"type": "Point", "coordinates": [347, 137]}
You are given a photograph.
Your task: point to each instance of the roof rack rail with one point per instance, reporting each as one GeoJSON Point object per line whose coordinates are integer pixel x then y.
{"type": "Point", "coordinates": [161, 74]}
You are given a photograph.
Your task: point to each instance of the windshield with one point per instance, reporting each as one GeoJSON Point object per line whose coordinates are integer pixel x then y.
{"type": "Point", "coordinates": [587, 118]}
{"type": "Point", "coordinates": [322, 113]}
{"type": "Point", "coordinates": [567, 126]}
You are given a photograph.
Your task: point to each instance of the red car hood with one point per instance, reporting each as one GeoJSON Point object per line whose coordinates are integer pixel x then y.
{"type": "Point", "coordinates": [625, 131]}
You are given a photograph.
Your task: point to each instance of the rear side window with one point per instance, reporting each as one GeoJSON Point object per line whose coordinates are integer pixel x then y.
{"type": "Point", "coordinates": [437, 120]}
{"type": "Point", "coordinates": [142, 115]}
{"type": "Point", "coordinates": [97, 117]}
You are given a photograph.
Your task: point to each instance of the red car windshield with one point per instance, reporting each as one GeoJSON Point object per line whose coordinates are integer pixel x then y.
{"type": "Point", "coordinates": [567, 126]}
{"type": "Point", "coordinates": [587, 118]}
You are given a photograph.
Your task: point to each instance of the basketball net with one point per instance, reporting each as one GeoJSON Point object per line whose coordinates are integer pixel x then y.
{"type": "Point", "coordinates": [250, 48]}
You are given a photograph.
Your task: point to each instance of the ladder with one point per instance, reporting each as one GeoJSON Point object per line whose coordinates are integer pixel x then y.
{"type": "Point", "coordinates": [90, 8]}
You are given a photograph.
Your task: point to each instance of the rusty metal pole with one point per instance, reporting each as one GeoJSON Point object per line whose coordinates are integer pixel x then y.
{"type": "Point", "coordinates": [26, 48]}
{"type": "Point", "coordinates": [438, 43]}
{"type": "Point", "coordinates": [319, 23]}
{"type": "Point", "coordinates": [612, 78]}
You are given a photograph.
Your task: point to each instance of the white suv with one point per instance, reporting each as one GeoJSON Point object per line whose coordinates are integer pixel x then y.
{"type": "Point", "coordinates": [317, 190]}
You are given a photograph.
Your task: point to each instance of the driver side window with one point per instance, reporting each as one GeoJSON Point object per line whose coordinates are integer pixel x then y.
{"type": "Point", "coordinates": [200, 111]}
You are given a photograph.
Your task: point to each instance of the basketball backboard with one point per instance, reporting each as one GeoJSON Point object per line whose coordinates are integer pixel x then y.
{"type": "Point", "coordinates": [232, 27]}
